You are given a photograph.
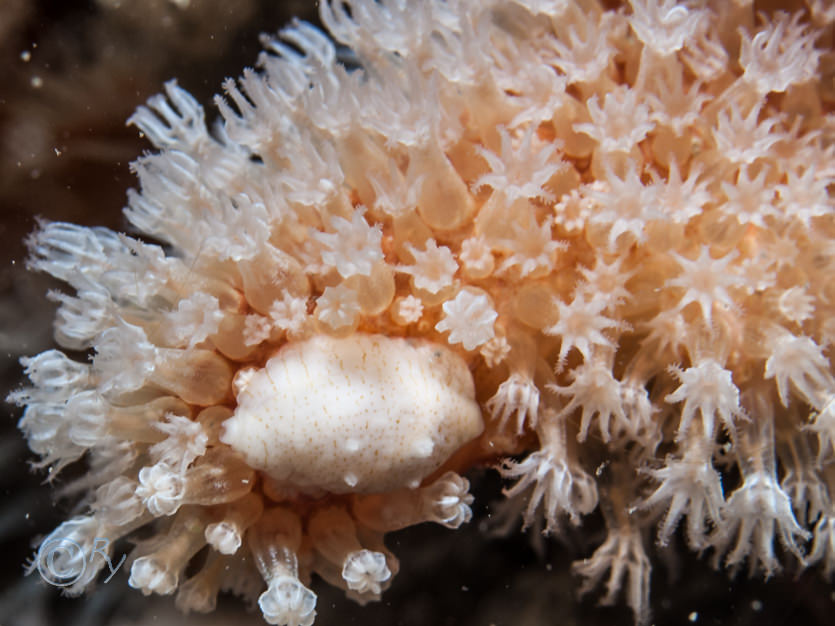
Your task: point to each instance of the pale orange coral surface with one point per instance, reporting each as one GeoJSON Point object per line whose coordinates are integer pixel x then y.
{"type": "Point", "coordinates": [607, 232]}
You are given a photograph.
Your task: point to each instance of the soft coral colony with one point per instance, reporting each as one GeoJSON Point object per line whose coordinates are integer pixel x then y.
{"type": "Point", "coordinates": [586, 245]}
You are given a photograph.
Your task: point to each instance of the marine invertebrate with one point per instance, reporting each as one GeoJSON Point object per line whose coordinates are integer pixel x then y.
{"type": "Point", "coordinates": [555, 211]}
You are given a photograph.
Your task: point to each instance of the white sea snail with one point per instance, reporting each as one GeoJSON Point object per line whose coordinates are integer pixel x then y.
{"type": "Point", "coordinates": [361, 414]}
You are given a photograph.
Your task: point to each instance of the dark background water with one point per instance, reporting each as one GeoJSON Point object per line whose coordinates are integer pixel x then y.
{"type": "Point", "coordinates": [71, 72]}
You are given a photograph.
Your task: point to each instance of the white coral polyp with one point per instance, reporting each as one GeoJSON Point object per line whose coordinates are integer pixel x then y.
{"type": "Point", "coordinates": [706, 387]}
{"type": "Point", "coordinates": [518, 396]}
{"type": "Point", "coordinates": [86, 413]}
{"type": "Point", "coordinates": [80, 320]}
{"type": "Point", "coordinates": [124, 359]}
{"type": "Point", "coordinates": [117, 502]}
{"type": "Point", "coordinates": [587, 51]}
{"type": "Point", "coordinates": [150, 577]}
{"type": "Point", "coordinates": [161, 489]}
{"type": "Point", "coordinates": [338, 307]}
{"type": "Point", "coordinates": [196, 318]}
{"type": "Point", "coordinates": [796, 305]}
{"type": "Point", "coordinates": [53, 371]}
{"type": "Point", "coordinates": [476, 257]}
{"type": "Point", "coordinates": [799, 362]}
{"type": "Point", "coordinates": [623, 204]}
{"type": "Point", "coordinates": [354, 247]}
{"type": "Point", "coordinates": [754, 514]}
{"type": "Point", "coordinates": [521, 173]}
{"type": "Point", "coordinates": [596, 391]}
{"type": "Point", "coordinates": [469, 319]}
{"type": "Point", "coordinates": [289, 314]}
{"type": "Point", "coordinates": [186, 440]}
{"type": "Point", "coordinates": [433, 269]}
{"type": "Point", "coordinates": [495, 351]}
{"type": "Point", "coordinates": [559, 486]}
{"type": "Point", "coordinates": [622, 555]}
{"type": "Point", "coordinates": [781, 54]}
{"type": "Point", "coordinates": [365, 571]}
{"type": "Point", "coordinates": [805, 195]}
{"type": "Point", "coordinates": [706, 281]}
{"type": "Point", "coordinates": [447, 501]}
{"type": "Point", "coordinates": [532, 250]}
{"type": "Point", "coordinates": [749, 201]}
{"type": "Point", "coordinates": [288, 603]}
{"type": "Point", "coordinates": [620, 124]}
{"type": "Point", "coordinates": [689, 486]}
{"type": "Point", "coordinates": [257, 329]}
{"type": "Point", "coordinates": [741, 138]}
{"type": "Point", "coordinates": [409, 309]}
{"type": "Point", "coordinates": [582, 325]}
{"type": "Point", "coordinates": [663, 25]}
{"type": "Point", "coordinates": [223, 537]}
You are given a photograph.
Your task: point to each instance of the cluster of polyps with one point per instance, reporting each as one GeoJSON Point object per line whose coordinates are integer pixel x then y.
{"type": "Point", "coordinates": [611, 230]}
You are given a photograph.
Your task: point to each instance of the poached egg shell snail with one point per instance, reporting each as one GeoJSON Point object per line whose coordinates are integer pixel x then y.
{"type": "Point", "coordinates": [360, 414]}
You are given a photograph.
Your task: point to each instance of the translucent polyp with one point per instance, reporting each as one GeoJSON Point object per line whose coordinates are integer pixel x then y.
{"type": "Point", "coordinates": [91, 418]}
{"type": "Point", "coordinates": [199, 593]}
{"type": "Point", "coordinates": [667, 145]}
{"type": "Point", "coordinates": [200, 377]}
{"type": "Point", "coordinates": [159, 572]}
{"type": "Point", "coordinates": [334, 536]}
{"type": "Point", "coordinates": [616, 162]}
{"type": "Point", "coordinates": [445, 202]}
{"type": "Point", "coordinates": [430, 299]}
{"type": "Point", "coordinates": [533, 305]}
{"type": "Point", "coordinates": [274, 542]}
{"type": "Point", "coordinates": [389, 512]}
{"type": "Point", "coordinates": [211, 419]}
{"type": "Point", "coordinates": [408, 228]}
{"type": "Point", "coordinates": [137, 423]}
{"type": "Point", "coordinates": [439, 502]}
{"type": "Point", "coordinates": [498, 213]}
{"type": "Point", "coordinates": [229, 338]}
{"type": "Point", "coordinates": [359, 156]}
{"type": "Point", "coordinates": [186, 280]}
{"type": "Point", "coordinates": [267, 276]}
{"type": "Point", "coordinates": [226, 535]}
{"type": "Point", "coordinates": [219, 476]}
{"type": "Point", "coordinates": [576, 145]}
{"type": "Point", "coordinates": [375, 291]}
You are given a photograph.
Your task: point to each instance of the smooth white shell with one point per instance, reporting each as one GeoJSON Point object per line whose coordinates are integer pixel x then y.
{"type": "Point", "coordinates": [361, 414]}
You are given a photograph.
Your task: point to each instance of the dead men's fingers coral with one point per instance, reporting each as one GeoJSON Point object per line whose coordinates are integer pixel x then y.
{"type": "Point", "coordinates": [586, 244]}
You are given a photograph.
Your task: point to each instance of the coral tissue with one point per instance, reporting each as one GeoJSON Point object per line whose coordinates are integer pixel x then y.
{"type": "Point", "coordinates": [587, 244]}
